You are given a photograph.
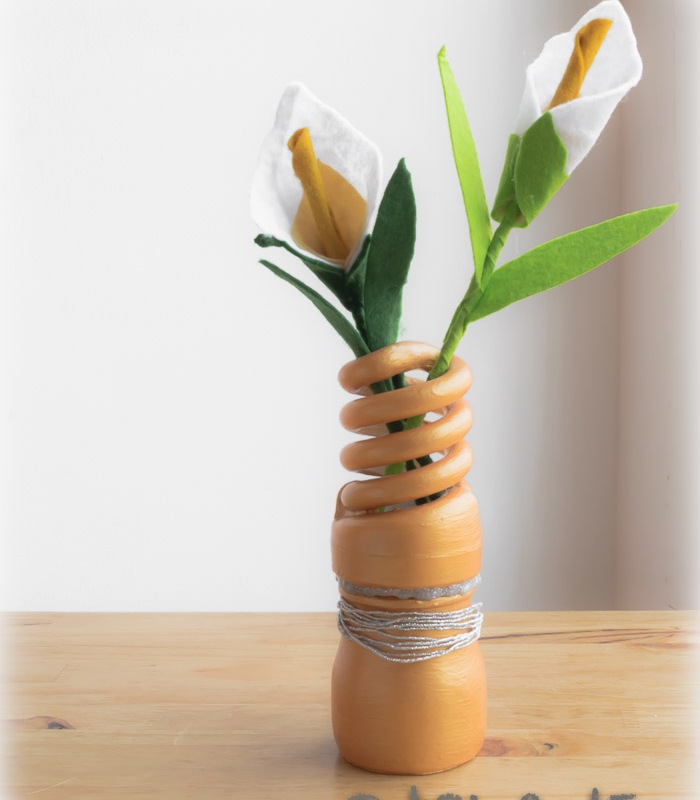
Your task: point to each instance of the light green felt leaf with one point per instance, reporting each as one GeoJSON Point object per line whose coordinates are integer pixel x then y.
{"type": "Point", "coordinates": [506, 187]}
{"type": "Point", "coordinates": [467, 163]}
{"type": "Point", "coordinates": [341, 324]}
{"type": "Point", "coordinates": [390, 254]}
{"type": "Point", "coordinates": [539, 167]}
{"type": "Point", "coordinates": [567, 257]}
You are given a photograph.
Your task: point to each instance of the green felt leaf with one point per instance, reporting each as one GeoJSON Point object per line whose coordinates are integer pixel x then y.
{"type": "Point", "coordinates": [355, 274]}
{"type": "Point", "coordinates": [341, 324]}
{"type": "Point", "coordinates": [467, 163]}
{"type": "Point", "coordinates": [540, 167]}
{"type": "Point", "coordinates": [506, 187]}
{"type": "Point", "coordinates": [567, 257]}
{"type": "Point", "coordinates": [390, 254]}
{"type": "Point", "coordinates": [355, 287]}
{"type": "Point", "coordinates": [332, 277]}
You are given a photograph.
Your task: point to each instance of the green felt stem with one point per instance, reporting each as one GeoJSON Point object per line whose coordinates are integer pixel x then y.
{"type": "Point", "coordinates": [462, 315]}
{"type": "Point", "coordinates": [395, 469]}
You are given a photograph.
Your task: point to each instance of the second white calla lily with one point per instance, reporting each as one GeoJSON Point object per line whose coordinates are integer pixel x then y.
{"type": "Point", "coordinates": [315, 167]}
{"type": "Point", "coordinates": [571, 90]}
{"type": "Point", "coordinates": [615, 69]}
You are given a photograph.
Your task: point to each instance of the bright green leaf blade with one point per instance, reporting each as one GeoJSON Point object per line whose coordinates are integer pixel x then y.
{"type": "Point", "coordinates": [567, 257]}
{"type": "Point", "coordinates": [467, 163]}
{"type": "Point", "coordinates": [389, 258]}
{"type": "Point", "coordinates": [341, 324]}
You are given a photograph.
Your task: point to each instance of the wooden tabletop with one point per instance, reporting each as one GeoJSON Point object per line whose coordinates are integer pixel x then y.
{"type": "Point", "coordinates": [209, 706]}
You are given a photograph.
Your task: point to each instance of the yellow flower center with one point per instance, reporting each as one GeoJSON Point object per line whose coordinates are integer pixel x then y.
{"type": "Point", "coordinates": [586, 45]}
{"type": "Point", "coordinates": [331, 215]}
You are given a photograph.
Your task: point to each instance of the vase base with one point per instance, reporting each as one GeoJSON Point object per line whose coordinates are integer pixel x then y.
{"type": "Point", "coordinates": [408, 719]}
{"type": "Point", "coordinates": [407, 772]}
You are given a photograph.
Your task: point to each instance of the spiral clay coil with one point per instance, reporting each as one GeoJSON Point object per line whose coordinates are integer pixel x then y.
{"type": "Point", "coordinates": [380, 536]}
{"type": "Point", "coordinates": [443, 395]}
{"type": "Point", "coordinates": [412, 560]}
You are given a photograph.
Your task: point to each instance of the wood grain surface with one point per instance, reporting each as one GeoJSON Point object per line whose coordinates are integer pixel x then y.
{"type": "Point", "coordinates": [208, 706]}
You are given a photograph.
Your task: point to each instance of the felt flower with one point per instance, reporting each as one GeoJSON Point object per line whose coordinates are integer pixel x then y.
{"type": "Point", "coordinates": [571, 90]}
{"type": "Point", "coordinates": [317, 181]}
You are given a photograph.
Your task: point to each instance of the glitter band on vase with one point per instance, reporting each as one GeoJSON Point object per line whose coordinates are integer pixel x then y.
{"type": "Point", "coordinates": [430, 593]}
{"type": "Point", "coordinates": [383, 632]}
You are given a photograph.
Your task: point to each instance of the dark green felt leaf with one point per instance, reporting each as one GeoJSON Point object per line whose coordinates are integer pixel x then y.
{"type": "Point", "coordinates": [539, 167]}
{"type": "Point", "coordinates": [567, 257]}
{"type": "Point", "coordinates": [467, 163]}
{"type": "Point", "coordinates": [355, 287]}
{"type": "Point", "coordinates": [355, 273]}
{"type": "Point", "coordinates": [341, 324]}
{"type": "Point", "coordinates": [332, 277]}
{"type": "Point", "coordinates": [390, 254]}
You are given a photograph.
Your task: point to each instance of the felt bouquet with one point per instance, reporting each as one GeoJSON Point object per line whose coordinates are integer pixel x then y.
{"type": "Point", "coordinates": [316, 193]}
{"type": "Point", "coordinates": [408, 689]}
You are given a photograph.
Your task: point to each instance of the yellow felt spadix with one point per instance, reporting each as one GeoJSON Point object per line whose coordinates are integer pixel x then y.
{"type": "Point", "coordinates": [306, 168]}
{"type": "Point", "coordinates": [331, 216]}
{"type": "Point", "coordinates": [586, 45]}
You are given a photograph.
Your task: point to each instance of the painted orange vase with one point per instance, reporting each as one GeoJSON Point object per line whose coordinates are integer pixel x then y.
{"type": "Point", "coordinates": [394, 555]}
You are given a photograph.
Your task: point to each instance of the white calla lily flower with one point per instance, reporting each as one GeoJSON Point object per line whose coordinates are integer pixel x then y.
{"type": "Point", "coordinates": [614, 68]}
{"type": "Point", "coordinates": [317, 181]}
{"type": "Point", "coordinates": [571, 89]}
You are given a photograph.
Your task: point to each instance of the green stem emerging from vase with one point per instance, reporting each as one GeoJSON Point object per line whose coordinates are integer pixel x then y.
{"type": "Point", "coordinates": [462, 315]}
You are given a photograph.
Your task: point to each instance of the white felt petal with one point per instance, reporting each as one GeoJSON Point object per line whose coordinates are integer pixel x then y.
{"type": "Point", "coordinates": [276, 191]}
{"type": "Point", "coordinates": [617, 68]}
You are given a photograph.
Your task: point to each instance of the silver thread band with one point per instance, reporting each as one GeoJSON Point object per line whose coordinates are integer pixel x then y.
{"type": "Point", "coordinates": [375, 631]}
{"type": "Point", "coordinates": [430, 593]}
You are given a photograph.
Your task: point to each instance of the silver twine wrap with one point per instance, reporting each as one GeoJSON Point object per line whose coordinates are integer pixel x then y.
{"type": "Point", "coordinates": [430, 593]}
{"type": "Point", "coordinates": [384, 632]}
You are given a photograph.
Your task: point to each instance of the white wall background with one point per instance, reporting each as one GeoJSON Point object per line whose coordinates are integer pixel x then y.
{"type": "Point", "coordinates": [658, 438]}
{"type": "Point", "coordinates": [169, 409]}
